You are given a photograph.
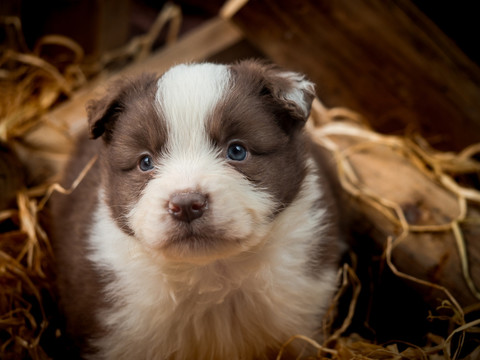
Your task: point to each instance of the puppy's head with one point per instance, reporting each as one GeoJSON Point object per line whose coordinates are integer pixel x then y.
{"type": "Point", "coordinates": [198, 163]}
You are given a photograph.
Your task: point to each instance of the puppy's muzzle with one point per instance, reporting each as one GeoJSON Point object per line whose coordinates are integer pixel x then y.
{"type": "Point", "coordinates": [187, 206]}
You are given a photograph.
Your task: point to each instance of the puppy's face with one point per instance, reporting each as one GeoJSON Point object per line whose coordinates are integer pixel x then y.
{"type": "Point", "coordinates": [198, 162]}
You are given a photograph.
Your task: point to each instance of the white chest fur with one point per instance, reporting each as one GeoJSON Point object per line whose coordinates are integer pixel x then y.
{"type": "Point", "coordinates": [235, 308]}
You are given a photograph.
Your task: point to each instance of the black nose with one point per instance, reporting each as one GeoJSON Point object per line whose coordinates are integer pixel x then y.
{"type": "Point", "coordinates": [187, 206]}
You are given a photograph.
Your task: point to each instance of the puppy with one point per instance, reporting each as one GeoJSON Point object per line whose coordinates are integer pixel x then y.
{"type": "Point", "coordinates": [206, 228]}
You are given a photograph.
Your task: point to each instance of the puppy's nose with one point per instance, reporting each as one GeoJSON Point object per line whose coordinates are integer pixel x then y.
{"type": "Point", "coordinates": [187, 206]}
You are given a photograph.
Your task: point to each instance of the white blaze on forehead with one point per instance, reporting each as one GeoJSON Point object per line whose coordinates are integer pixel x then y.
{"type": "Point", "coordinates": [186, 96]}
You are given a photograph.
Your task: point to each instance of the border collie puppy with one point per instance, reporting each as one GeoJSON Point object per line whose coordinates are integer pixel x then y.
{"type": "Point", "coordinates": [206, 228]}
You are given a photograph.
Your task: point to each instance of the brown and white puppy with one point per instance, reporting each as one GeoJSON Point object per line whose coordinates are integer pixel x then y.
{"type": "Point", "coordinates": [206, 229]}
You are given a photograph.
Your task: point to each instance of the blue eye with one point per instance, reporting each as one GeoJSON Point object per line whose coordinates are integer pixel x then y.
{"type": "Point", "coordinates": [146, 163]}
{"type": "Point", "coordinates": [236, 152]}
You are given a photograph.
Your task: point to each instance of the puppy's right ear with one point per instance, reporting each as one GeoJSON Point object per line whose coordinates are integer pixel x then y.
{"type": "Point", "coordinates": [102, 115]}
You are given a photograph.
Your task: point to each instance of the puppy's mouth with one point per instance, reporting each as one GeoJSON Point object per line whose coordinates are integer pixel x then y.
{"type": "Point", "coordinates": [197, 234]}
{"type": "Point", "coordinates": [197, 240]}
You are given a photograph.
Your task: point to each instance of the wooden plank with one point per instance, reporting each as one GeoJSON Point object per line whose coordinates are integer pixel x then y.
{"type": "Point", "coordinates": [385, 179]}
{"type": "Point", "coordinates": [383, 59]}
{"type": "Point", "coordinates": [431, 255]}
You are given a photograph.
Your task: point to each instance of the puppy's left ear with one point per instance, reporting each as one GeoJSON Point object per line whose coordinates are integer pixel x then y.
{"type": "Point", "coordinates": [289, 95]}
{"type": "Point", "coordinates": [292, 91]}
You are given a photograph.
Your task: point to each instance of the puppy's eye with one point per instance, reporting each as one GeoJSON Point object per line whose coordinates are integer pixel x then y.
{"type": "Point", "coordinates": [146, 163]}
{"type": "Point", "coordinates": [236, 152]}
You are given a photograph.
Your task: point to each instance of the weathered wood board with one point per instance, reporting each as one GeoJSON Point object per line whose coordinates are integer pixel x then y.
{"type": "Point", "coordinates": [386, 182]}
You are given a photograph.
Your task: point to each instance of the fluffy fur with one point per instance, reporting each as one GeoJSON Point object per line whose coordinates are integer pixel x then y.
{"type": "Point", "coordinates": [256, 268]}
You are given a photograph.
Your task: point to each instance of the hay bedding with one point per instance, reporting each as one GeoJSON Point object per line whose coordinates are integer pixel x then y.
{"type": "Point", "coordinates": [29, 327]}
